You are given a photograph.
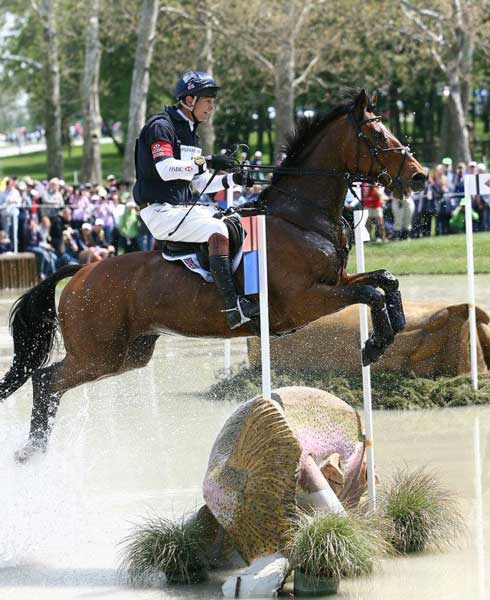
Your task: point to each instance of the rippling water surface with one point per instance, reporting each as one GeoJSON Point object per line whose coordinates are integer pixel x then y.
{"type": "Point", "coordinates": [138, 444]}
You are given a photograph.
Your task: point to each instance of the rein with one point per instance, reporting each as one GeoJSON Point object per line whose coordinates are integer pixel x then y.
{"type": "Point", "coordinates": [357, 176]}
{"type": "Point", "coordinates": [351, 177]}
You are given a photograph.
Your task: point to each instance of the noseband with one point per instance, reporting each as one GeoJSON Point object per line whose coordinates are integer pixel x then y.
{"type": "Point", "coordinates": [375, 153]}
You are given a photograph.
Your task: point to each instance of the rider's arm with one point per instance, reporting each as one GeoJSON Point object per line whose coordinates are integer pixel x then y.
{"type": "Point", "coordinates": [220, 182]}
{"type": "Point", "coordinates": [170, 168]}
{"type": "Point", "coordinates": [161, 139]}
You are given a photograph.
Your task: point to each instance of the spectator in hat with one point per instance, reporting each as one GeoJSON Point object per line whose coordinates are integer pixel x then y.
{"type": "Point", "coordinates": [89, 250]}
{"type": "Point", "coordinates": [129, 229]}
{"type": "Point", "coordinates": [53, 200]}
{"type": "Point", "coordinates": [447, 163]}
{"type": "Point", "coordinates": [99, 237]}
{"type": "Point", "coordinates": [111, 181]}
{"type": "Point", "coordinates": [257, 162]}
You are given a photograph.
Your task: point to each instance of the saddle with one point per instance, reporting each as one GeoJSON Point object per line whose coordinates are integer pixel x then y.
{"type": "Point", "coordinates": [182, 250]}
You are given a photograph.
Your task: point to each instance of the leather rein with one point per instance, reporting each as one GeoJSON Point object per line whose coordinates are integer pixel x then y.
{"type": "Point", "coordinates": [382, 178]}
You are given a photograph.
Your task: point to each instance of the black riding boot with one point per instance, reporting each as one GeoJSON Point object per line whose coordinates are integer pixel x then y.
{"type": "Point", "coordinates": [238, 311]}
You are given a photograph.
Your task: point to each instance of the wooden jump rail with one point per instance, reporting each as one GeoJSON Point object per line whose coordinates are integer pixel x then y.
{"type": "Point", "coordinates": [18, 270]}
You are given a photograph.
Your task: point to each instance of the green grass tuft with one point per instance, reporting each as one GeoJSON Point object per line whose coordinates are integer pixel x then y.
{"type": "Point", "coordinates": [422, 512]}
{"type": "Point", "coordinates": [334, 545]}
{"type": "Point", "coordinates": [161, 546]}
{"type": "Point", "coordinates": [389, 390]}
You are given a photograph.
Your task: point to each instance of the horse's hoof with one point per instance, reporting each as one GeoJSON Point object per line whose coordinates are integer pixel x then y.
{"type": "Point", "coordinates": [371, 352]}
{"type": "Point", "coordinates": [395, 311]}
{"type": "Point", "coordinates": [23, 455]}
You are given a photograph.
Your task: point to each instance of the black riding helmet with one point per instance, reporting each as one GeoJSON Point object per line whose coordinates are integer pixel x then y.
{"type": "Point", "coordinates": [196, 83]}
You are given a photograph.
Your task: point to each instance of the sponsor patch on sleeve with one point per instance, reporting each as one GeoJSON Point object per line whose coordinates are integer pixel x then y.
{"type": "Point", "coordinates": [160, 148]}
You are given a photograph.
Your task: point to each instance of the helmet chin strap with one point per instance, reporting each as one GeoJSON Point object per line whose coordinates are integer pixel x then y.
{"type": "Point", "coordinates": [191, 108]}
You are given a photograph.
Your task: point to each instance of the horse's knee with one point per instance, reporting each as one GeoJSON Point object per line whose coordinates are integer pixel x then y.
{"type": "Point", "coordinates": [368, 294]}
{"type": "Point", "coordinates": [389, 283]}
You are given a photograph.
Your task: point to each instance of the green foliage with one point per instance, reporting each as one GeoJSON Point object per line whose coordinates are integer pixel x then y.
{"type": "Point", "coordinates": [335, 545]}
{"type": "Point", "coordinates": [390, 391]}
{"type": "Point", "coordinates": [161, 546]}
{"type": "Point", "coordinates": [422, 512]}
{"type": "Point", "coordinates": [385, 53]}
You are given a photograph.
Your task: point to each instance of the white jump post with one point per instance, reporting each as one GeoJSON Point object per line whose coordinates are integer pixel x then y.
{"type": "Point", "coordinates": [264, 309]}
{"type": "Point", "coordinates": [361, 235]}
{"type": "Point", "coordinates": [472, 186]}
{"type": "Point", "coordinates": [479, 522]}
{"type": "Point", "coordinates": [15, 226]}
{"type": "Point", "coordinates": [229, 202]}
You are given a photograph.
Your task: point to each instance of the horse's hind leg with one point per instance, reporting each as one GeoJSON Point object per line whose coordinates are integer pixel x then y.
{"type": "Point", "coordinates": [50, 383]}
{"type": "Point", "coordinates": [45, 404]}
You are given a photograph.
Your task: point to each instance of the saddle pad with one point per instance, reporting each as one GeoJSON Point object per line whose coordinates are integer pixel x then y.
{"type": "Point", "coordinates": [191, 261]}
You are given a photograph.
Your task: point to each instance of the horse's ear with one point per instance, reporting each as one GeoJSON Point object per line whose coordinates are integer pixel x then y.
{"type": "Point", "coordinates": [373, 101]}
{"type": "Point", "coordinates": [360, 104]}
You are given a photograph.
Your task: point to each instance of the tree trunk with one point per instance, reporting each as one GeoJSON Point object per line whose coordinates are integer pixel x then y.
{"type": "Point", "coordinates": [260, 128]}
{"type": "Point", "coordinates": [54, 147]}
{"type": "Point", "coordinates": [284, 80]}
{"type": "Point", "coordinates": [91, 161]}
{"type": "Point", "coordinates": [140, 82]}
{"type": "Point", "coordinates": [454, 133]}
{"type": "Point", "coordinates": [205, 62]}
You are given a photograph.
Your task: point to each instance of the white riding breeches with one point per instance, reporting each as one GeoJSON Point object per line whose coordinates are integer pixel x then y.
{"type": "Point", "coordinates": [198, 226]}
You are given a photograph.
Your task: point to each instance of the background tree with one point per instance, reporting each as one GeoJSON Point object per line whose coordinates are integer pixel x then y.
{"type": "Point", "coordinates": [451, 28]}
{"type": "Point", "coordinates": [92, 121]}
{"type": "Point", "coordinates": [140, 81]}
{"type": "Point", "coordinates": [47, 12]}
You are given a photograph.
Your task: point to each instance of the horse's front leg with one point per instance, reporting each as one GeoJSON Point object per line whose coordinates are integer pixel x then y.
{"type": "Point", "coordinates": [389, 284]}
{"type": "Point", "coordinates": [340, 296]}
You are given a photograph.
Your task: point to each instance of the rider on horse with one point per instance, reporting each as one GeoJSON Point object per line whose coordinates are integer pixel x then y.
{"type": "Point", "coordinates": [169, 162]}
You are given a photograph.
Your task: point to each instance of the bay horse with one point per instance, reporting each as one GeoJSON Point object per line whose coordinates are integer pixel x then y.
{"type": "Point", "coordinates": [112, 312]}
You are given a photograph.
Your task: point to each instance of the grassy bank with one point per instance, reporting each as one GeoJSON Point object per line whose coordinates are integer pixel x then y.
{"type": "Point", "coordinates": [390, 390]}
{"type": "Point", "coordinates": [34, 163]}
{"type": "Point", "coordinates": [435, 255]}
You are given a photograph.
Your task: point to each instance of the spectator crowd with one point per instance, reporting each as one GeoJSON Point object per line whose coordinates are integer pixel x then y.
{"type": "Point", "coordinates": [78, 224]}
{"type": "Point", "coordinates": [66, 224]}
{"type": "Point", "coordinates": [438, 210]}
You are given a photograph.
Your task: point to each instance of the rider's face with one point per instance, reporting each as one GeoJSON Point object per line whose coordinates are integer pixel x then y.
{"type": "Point", "coordinates": [203, 108]}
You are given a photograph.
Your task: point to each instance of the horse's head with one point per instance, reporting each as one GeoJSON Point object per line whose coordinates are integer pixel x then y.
{"type": "Point", "coordinates": [375, 154]}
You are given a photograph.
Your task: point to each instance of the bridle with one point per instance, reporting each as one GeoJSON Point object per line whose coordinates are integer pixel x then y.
{"type": "Point", "coordinates": [357, 176]}
{"type": "Point", "coordinates": [375, 152]}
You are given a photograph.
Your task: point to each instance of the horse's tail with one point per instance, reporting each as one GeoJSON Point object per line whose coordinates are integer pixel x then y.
{"type": "Point", "coordinates": [33, 324]}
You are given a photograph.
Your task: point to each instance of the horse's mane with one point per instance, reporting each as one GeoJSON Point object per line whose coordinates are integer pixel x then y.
{"type": "Point", "coordinates": [305, 130]}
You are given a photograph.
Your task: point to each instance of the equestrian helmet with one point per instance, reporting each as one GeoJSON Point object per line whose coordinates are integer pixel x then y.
{"type": "Point", "coordinates": [196, 83]}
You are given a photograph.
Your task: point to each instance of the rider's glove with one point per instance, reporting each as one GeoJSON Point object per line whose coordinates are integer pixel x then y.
{"type": "Point", "coordinates": [244, 179]}
{"type": "Point", "coordinates": [221, 162]}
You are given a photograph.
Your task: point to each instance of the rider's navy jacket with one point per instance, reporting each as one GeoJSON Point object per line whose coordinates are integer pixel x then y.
{"type": "Point", "coordinates": [173, 130]}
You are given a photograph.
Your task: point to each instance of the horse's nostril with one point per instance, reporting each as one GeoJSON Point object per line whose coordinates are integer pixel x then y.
{"type": "Point", "coordinates": [419, 177]}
